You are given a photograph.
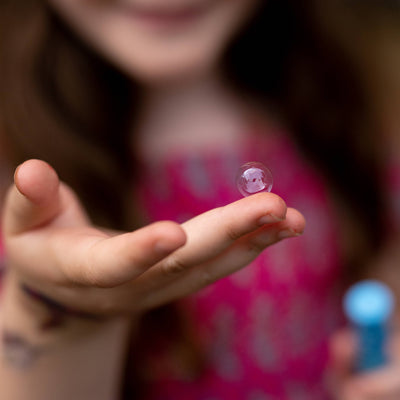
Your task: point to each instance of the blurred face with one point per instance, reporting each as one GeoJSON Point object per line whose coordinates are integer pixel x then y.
{"type": "Point", "coordinates": [157, 40]}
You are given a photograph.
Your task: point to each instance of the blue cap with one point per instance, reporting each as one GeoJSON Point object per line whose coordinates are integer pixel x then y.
{"type": "Point", "coordinates": [368, 302]}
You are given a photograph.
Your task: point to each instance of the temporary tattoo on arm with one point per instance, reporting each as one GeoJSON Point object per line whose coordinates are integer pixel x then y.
{"type": "Point", "coordinates": [17, 351]}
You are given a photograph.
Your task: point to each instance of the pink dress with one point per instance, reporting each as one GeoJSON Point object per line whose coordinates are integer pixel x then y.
{"type": "Point", "coordinates": [263, 330]}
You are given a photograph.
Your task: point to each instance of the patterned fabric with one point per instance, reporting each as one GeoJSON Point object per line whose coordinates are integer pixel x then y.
{"type": "Point", "coordinates": [263, 330]}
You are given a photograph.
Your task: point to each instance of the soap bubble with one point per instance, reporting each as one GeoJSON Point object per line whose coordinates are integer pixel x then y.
{"type": "Point", "coordinates": [253, 177]}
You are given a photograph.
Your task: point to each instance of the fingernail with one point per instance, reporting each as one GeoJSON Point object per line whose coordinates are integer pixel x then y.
{"type": "Point", "coordinates": [16, 173]}
{"type": "Point", "coordinates": [286, 233]}
{"type": "Point", "coordinates": [269, 219]}
{"type": "Point", "coordinates": [16, 181]}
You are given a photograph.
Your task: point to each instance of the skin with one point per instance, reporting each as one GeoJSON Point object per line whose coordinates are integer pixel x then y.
{"type": "Point", "coordinates": [78, 265]}
{"type": "Point", "coordinates": [382, 384]}
{"type": "Point", "coordinates": [153, 49]}
{"type": "Point", "coordinates": [127, 273]}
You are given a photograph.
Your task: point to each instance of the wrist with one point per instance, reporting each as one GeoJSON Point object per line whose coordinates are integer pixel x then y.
{"type": "Point", "coordinates": [68, 361]}
{"type": "Point", "coordinates": [31, 326]}
{"type": "Point", "coordinates": [57, 313]}
{"type": "Point", "coordinates": [40, 311]}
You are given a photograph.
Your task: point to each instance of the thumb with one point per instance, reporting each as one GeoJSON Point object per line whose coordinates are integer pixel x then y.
{"type": "Point", "coordinates": [343, 350]}
{"type": "Point", "coordinates": [34, 199]}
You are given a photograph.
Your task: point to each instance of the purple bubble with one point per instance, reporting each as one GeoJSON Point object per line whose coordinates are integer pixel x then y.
{"type": "Point", "coordinates": [253, 177]}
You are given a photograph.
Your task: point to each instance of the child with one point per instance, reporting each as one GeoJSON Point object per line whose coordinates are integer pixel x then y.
{"type": "Point", "coordinates": [146, 109]}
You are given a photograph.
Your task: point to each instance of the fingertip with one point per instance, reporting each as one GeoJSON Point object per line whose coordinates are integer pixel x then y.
{"type": "Point", "coordinates": [169, 236]}
{"type": "Point", "coordinates": [266, 204]}
{"type": "Point", "coordinates": [296, 220]}
{"type": "Point", "coordinates": [36, 180]}
{"type": "Point", "coordinates": [279, 205]}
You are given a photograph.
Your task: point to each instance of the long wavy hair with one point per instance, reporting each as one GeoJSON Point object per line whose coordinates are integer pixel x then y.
{"type": "Point", "coordinates": [62, 102]}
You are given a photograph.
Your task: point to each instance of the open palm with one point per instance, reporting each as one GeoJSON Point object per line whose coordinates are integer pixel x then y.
{"type": "Point", "coordinates": [52, 246]}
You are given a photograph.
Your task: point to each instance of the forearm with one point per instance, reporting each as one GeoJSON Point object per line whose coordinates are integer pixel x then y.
{"type": "Point", "coordinates": [78, 359]}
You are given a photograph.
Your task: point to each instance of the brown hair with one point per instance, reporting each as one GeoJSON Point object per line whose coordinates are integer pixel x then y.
{"type": "Point", "coordinates": [61, 102]}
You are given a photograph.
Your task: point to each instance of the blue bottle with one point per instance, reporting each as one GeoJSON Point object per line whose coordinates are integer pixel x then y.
{"type": "Point", "coordinates": [369, 305]}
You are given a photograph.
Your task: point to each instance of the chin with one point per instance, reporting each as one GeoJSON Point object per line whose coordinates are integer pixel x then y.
{"type": "Point", "coordinates": [153, 69]}
{"type": "Point", "coordinates": [154, 76]}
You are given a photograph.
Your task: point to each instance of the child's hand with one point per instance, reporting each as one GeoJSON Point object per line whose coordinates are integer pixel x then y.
{"type": "Point", "coordinates": [52, 247]}
{"type": "Point", "coordinates": [381, 384]}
